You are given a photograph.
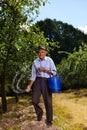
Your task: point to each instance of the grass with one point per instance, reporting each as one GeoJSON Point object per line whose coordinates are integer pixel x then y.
{"type": "Point", "coordinates": [69, 107]}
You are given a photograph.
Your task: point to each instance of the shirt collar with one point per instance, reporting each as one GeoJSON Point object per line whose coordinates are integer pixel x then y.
{"type": "Point", "coordinates": [45, 58]}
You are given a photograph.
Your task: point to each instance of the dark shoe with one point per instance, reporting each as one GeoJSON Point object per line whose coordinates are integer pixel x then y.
{"type": "Point", "coordinates": [49, 123]}
{"type": "Point", "coordinates": [39, 117]}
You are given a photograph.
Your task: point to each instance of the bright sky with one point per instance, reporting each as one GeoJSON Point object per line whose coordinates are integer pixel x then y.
{"type": "Point", "coordinates": [73, 12]}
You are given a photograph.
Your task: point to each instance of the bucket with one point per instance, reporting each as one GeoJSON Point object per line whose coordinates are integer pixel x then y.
{"type": "Point", "coordinates": [55, 84]}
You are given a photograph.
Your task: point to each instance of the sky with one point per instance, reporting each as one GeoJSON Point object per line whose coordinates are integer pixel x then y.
{"type": "Point", "coordinates": [72, 12]}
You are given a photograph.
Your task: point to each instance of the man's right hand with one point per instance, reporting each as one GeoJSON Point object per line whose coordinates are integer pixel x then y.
{"type": "Point", "coordinates": [28, 89]}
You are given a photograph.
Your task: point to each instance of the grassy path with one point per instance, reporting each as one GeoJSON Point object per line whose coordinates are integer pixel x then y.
{"type": "Point", "coordinates": [70, 113]}
{"type": "Point", "coordinates": [72, 109]}
{"type": "Point", "coordinates": [21, 116]}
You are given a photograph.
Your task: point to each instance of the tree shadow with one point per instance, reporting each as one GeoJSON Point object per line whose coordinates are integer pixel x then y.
{"type": "Point", "coordinates": [77, 93]}
{"type": "Point", "coordinates": [15, 100]}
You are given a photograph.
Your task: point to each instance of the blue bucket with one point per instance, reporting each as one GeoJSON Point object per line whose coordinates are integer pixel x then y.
{"type": "Point", "coordinates": [55, 84]}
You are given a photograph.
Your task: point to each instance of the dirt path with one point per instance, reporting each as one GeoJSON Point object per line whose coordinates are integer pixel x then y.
{"type": "Point", "coordinates": [24, 124]}
{"type": "Point", "coordinates": [22, 117]}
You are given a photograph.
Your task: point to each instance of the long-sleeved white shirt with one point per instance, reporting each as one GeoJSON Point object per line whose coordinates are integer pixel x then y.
{"type": "Point", "coordinates": [47, 63]}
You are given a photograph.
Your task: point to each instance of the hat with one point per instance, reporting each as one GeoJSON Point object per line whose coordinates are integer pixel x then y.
{"type": "Point", "coordinates": [41, 47]}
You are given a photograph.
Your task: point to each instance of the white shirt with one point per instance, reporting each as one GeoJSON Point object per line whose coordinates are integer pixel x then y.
{"type": "Point", "coordinates": [47, 63]}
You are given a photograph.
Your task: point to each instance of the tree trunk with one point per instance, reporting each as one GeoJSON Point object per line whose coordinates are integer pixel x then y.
{"type": "Point", "coordinates": [16, 97]}
{"type": "Point", "coordinates": [3, 93]}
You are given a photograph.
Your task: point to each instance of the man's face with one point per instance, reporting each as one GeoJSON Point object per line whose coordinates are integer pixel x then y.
{"type": "Point", "coordinates": [42, 54]}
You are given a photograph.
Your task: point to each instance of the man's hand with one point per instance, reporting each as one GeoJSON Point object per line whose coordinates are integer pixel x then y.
{"type": "Point", "coordinates": [28, 89]}
{"type": "Point", "coordinates": [42, 69]}
{"type": "Point", "coordinates": [45, 70]}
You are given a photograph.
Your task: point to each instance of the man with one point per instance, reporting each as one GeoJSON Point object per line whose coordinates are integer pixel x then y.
{"type": "Point", "coordinates": [43, 67]}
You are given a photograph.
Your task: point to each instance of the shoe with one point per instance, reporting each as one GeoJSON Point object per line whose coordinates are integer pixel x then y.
{"type": "Point", "coordinates": [39, 117]}
{"type": "Point", "coordinates": [49, 123]}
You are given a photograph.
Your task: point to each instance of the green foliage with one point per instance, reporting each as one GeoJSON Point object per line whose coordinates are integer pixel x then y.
{"type": "Point", "coordinates": [18, 40]}
{"type": "Point", "coordinates": [74, 69]}
{"type": "Point", "coordinates": [61, 37]}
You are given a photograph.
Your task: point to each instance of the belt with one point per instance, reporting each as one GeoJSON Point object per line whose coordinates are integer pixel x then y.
{"type": "Point", "coordinates": [41, 78]}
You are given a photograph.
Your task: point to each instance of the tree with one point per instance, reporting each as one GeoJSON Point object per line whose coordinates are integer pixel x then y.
{"type": "Point", "coordinates": [61, 37]}
{"type": "Point", "coordinates": [14, 15]}
{"type": "Point", "coordinates": [74, 69]}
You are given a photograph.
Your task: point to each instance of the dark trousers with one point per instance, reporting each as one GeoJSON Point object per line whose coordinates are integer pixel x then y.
{"type": "Point", "coordinates": [41, 87]}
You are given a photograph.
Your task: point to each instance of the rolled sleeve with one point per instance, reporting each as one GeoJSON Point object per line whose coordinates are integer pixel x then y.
{"type": "Point", "coordinates": [54, 72]}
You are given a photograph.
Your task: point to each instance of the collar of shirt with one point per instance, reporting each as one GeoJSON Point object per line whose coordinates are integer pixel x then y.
{"type": "Point", "coordinates": [45, 58]}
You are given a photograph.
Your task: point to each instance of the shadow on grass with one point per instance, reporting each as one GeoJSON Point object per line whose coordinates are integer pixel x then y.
{"type": "Point", "coordinates": [78, 93]}
{"type": "Point", "coordinates": [23, 101]}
